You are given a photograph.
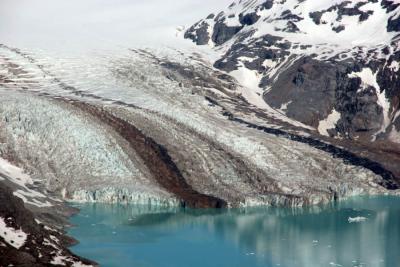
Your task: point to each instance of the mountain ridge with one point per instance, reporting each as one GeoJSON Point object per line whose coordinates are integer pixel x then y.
{"type": "Point", "coordinates": [331, 65]}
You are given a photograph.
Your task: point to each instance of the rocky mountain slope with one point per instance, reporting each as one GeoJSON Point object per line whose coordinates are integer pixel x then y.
{"type": "Point", "coordinates": [332, 65]}
{"type": "Point", "coordinates": [32, 223]}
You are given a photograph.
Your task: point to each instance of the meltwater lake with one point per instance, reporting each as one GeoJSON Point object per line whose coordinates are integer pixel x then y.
{"type": "Point", "coordinates": [357, 232]}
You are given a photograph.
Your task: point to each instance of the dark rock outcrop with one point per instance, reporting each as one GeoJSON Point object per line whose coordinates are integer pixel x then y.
{"type": "Point", "coordinates": [268, 4]}
{"type": "Point", "coordinates": [248, 19]}
{"type": "Point", "coordinates": [312, 95]}
{"type": "Point", "coordinates": [223, 33]}
{"type": "Point", "coordinates": [393, 24]}
{"type": "Point", "coordinates": [389, 5]}
{"type": "Point", "coordinates": [37, 251]}
{"type": "Point", "coordinates": [198, 33]}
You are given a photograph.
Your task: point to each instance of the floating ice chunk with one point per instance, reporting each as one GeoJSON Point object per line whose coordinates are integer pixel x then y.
{"type": "Point", "coordinates": [356, 219]}
{"type": "Point", "coordinates": [13, 237]}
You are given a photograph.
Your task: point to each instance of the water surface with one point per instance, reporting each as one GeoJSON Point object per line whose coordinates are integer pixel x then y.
{"type": "Point", "coordinates": [139, 236]}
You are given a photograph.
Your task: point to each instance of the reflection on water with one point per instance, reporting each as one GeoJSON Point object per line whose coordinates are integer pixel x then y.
{"type": "Point", "coordinates": [120, 235]}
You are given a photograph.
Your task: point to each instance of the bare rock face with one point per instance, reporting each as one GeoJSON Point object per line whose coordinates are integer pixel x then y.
{"type": "Point", "coordinates": [223, 33]}
{"type": "Point", "coordinates": [198, 33]}
{"type": "Point", "coordinates": [317, 58]}
{"type": "Point", "coordinates": [248, 19]}
{"type": "Point", "coordinates": [311, 93]}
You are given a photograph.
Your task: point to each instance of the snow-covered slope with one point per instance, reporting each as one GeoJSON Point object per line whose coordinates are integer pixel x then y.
{"type": "Point", "coordinates": [315, 58]}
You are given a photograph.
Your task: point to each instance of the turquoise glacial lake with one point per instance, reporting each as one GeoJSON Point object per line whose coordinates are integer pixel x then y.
{"type": "Point", "coordinates": [357, 232]}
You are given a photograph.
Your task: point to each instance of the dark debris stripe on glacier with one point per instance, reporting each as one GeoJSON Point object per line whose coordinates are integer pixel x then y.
{"type": "Point", "coordinates": [154, 155]}
{"type": "Point", "coordinates": [157, 159]}
{"type": "Point", "coordinates": [348, 157]}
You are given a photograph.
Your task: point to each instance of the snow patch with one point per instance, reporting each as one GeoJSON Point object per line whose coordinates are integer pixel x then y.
{"type": "Point", "coordinates": [232, 21]}
{"type": "Point", "coordinates": [394, 135]}
{"type": "Point", "coordinates": [284, 106]}
{"type": "Point", "coordinates": [329, 123]}
{"type": "Point", "coordinates": [368, 78]}
{"type": "Point", "coordinates": [63, 260]}
{"type": "Point", "coordinates": [59, 260]}
{"type": "Point", "coordinates": [14, 237]}
{"type": "Point", "coordinates": [16, 174]}
{"type": "Point", "coordinates": [250, 81]}
{"type": "Point", "coordinates": [268, 63]}
{"type": "Point", "coordinates": [47, 242]}
{"type": "Point", "coordinates": [23, 195]}
{"type": "Point", "coordinates": [394, 66]}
